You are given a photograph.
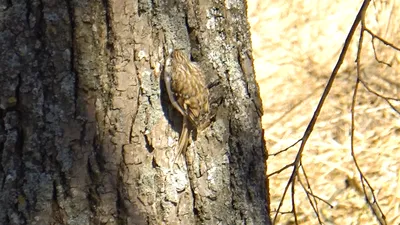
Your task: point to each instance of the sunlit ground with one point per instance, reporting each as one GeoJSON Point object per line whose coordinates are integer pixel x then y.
{"type": "Point", "coordinates": [295, 46]}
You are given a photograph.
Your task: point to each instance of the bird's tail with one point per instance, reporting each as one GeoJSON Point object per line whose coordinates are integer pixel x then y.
{"type": "Point", "coordinates": [183, 139]}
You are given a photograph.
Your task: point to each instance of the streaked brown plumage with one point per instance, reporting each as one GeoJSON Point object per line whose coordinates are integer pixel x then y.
{"type": "Point", "coordinates": [189, 95]}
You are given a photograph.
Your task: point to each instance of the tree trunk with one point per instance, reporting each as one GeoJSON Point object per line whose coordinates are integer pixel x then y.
{"type": "Point", "coordinates": [87, 132]}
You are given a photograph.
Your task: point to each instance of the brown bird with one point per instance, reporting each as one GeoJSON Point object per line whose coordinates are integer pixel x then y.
{"type": "Point", "coordinates": [188, 93]}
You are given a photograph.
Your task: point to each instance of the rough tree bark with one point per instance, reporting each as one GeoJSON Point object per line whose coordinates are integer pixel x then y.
{"type": "Point", "coordinates": [87, 132]}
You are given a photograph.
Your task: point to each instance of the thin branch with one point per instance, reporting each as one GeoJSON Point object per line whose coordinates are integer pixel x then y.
{"type": "Point", "coordinates": [299, 103]}
{"type": "Point", "coordinates": [387, 99]}
{"type": "Point", "coordinates": [310, 195]}
{"type": "Point", "coordinates": [327, 89]}
{"type": "Point", "coordinates": [293, 190]}
{"type": "Point", "coordinates": [375, 92]}
{"type": "Point", "coordinates": [381, 39]}
{"type": "Point", "coordinates": [375, 54]}
{"type": "Point", "coordinates": [280, 170]}
{"type": "Point", "coordinates": [284, 150]}
{"type": "Point", "coordinates": [375, 208]}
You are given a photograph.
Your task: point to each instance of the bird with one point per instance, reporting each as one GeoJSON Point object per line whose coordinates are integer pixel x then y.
{"type": "Point", "coordinates": [188, 94]}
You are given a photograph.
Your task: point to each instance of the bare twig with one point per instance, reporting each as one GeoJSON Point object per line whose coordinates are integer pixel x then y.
{"type": "Point", "coordinates": [375, 54]}
{"type": "Point", "coordinates": [377, 211]}
{"type": "Point", "coordinates": [310, 195]}
{"type": "Point", "coordinates": [327, 89]}
{"type": "Point", "coordinates": [386, 98]}
{"type": "Point", "coordinates": [284, 150]}
{"type": "Point", "coordinates": [295, 106]}
{"type": "Point", "coordinates": [381, 39]}
{"type": "Point", "coordinates": [375, 92]}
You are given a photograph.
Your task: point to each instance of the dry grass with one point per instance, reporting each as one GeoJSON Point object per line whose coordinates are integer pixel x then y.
{"type": "Point", "coordinates": [296, 45]}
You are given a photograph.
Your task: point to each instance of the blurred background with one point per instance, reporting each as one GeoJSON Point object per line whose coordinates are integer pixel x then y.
{"type": "Point", "coordinates": [296, 44]}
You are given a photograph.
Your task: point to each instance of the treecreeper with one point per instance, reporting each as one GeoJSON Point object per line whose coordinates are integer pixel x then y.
{"type": "Point", "coordinates": [189, 95]}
